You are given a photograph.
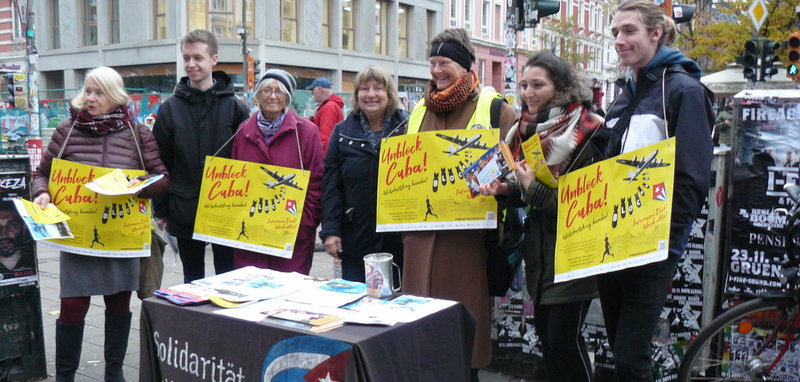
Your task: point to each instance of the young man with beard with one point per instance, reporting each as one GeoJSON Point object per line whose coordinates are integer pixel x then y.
{"type": "Point", "coordinates": [198, 121]}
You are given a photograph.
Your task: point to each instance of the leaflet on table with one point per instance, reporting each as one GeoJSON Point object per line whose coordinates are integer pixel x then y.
{"type": "Point", "coordinates": [251, 206]}
{"type": "Point", "coordinates": [116, 183]}
{"type": "Point", "coordinates": [333, 293]}
{"type": "Point", "coordinates": [405, 308]}
{"type": "Point", "coordinates": [256, 312]}
{"type": "Point", "coordinates": [495, 163]}
{"type": "Point", "coordinates": [36, 220]}
{"type": "Point", "coordinates": [615, 214]}
{"type": "Point", "coordinates": [421, 182]}
{"type": "Point", "coordinates": [252, 283]}
{"type": "Point", "coordinates": [185, 294]}
{"type": "Point", "coordinates": [102, 225]}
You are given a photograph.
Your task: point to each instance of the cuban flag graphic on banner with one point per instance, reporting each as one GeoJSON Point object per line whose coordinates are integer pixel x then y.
{"type": "Point", "coordinates": [143, 206]}
{"type": "Point", "coordinates": [660, 192]}
{"type": "Point", "coordinates": [307, 358]}
{"type": "Point", "coordinates": [291, 206]}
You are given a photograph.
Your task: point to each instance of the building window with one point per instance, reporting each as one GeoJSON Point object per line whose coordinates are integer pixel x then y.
{"type": "Point", "coordinates": [381, 25]}
{"type": "Point", "coordinates": [569, 10]}
{"type": "Point", "coordinates": [430, 16]}
{"type": "Point", "coordinates": [485, 17]}
{"type": "Point", "coordinates": [581, 14]}
{"type": "Point", "coordinates": [348, 24]}
{"type": "Point", "coordinates": [454, 13]}
{"type": "Point", "coordinates": [289, 21]}
{"type": "Point", "coordinates": [55, 35]}
{"type": "Point", "coordinates": [468, 15]}
{"type": "Point", "coordinates": [326, 23]}
{"type": "Point", "coordinates": [114, 4]}
{"type": "Point", "coordinates": [160, 9]}
{"type": "Point", "coordinates": [402, 30]}
{"type": "Point", "coordinates": [481, 71]}
{"type": "Point", "coordinates": [498, 24]}
{"type": "Point", "coordinates": [89, 22]}
{"type": "Point", "coordinates": [221, 17]}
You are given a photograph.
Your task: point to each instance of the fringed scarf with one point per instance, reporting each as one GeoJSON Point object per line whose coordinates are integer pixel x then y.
{"type": "Point", "coordinates": [561, 130]}
{"type": "Point", "coordinates": [116, 120]}
{"type": "Point", "coordinates": [443, 101]}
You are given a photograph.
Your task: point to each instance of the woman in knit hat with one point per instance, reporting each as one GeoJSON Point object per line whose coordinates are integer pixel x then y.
{"type": "Point", "coordinates": [276, 135]}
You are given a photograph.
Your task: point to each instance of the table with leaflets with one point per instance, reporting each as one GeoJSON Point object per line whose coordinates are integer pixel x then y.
{"type": "Point", "coordinates": [192, 343]}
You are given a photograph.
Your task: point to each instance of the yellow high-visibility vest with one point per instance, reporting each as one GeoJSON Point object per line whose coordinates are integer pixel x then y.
{"type": "Point", "coordinates": [481, 116]}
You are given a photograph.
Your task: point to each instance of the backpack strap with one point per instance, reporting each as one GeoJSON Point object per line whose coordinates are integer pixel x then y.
{"type": "Point", "coordinates": [494, 112]}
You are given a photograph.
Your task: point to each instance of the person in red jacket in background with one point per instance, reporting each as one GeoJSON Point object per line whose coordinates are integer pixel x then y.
{"type": "Point", "coordinates": [329, 112]}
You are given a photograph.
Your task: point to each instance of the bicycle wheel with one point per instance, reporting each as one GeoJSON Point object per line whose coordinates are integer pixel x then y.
{"type": "Point", "coordinates": [736, 346]}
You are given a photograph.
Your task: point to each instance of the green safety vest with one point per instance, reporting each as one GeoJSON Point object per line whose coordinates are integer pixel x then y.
{"type": "Point", "coordinates": [481, 116]}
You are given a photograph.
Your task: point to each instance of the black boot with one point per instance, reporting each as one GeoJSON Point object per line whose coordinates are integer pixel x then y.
{"type": "Point", "coordinates": [118, 326]}
{"type": "Point", "coordinates": [69, 338]}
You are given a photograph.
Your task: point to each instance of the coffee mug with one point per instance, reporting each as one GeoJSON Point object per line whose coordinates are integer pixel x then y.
{"type": "Point", "coordinates": [378, 274]}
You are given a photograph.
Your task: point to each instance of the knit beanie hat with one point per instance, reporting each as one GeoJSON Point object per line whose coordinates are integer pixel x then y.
{"type": "Point", "coordinates": [281, 75]}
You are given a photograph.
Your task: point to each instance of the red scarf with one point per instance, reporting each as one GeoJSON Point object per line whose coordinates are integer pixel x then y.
{"type": "Point", "coordinates": [116, 120]}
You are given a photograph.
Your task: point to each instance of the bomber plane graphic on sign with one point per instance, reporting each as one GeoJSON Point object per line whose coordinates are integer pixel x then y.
{"type": "Point", "coordinates": [650, 161]}
{"type": "Point", "coordinates": [280, 179]}
{"type": "Point", "coordinates": [463, 143]}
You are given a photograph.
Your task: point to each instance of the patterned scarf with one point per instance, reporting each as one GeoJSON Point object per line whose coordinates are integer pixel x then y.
{"type": "Point", "coordinates": [443, 101]}
{"type": "Point", "coordinates": [116, 120]}
{"type": "Point", "coordinates": [374, 137]}
{"type": "Point", "coordinates": [269, 128]}
{"type": "Point", "coordinates": [561, 130]}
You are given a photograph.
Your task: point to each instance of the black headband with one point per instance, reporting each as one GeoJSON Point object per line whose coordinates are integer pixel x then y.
{"type": "Point", "coordinates": [454, 52]}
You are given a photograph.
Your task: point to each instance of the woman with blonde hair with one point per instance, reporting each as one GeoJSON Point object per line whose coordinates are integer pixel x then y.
{"type": "Point", "coordinates": [351, 174]}
{"type": "Point", "coordinates": [101, 131]}
{"type": "Point", "coordinates": [662, 97]}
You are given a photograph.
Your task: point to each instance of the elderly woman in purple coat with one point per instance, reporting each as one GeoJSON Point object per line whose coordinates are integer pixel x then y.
{"type": "Point", "coordinates": [276, 135]}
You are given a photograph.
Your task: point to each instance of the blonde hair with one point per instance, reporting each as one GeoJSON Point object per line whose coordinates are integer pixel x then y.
{"type": "Point", "coordinates": [269, 81]}
{"type": "Point", "coordinates": [651, 16]}
{"type": "Point", "coordinates": [110, 83]}
{"type": "Point", "coordinates": [379, 74]}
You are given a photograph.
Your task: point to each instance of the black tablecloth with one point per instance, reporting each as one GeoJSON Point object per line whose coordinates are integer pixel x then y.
{"type": "Point", "coordinates": [193, 344]}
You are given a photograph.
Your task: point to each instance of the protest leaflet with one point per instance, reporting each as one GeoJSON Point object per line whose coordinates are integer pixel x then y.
{"type": "Point", "coordinates": [251, 206]}
{"type": "Point", "coordinates": [534, 156]}
{"type": "Point", "coordinates": [615, 214]}
{"type": "Point", "coordinates": [48, 223]}
{"type": "Point", "coordinates": [102, 225]}
{"type": "Point", "coordinates": [116, 183]}
{"type": "Point", "coordinates": [422, 185]}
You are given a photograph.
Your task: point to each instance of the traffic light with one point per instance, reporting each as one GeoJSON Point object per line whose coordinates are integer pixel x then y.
{"type": "Point", "coordinates": [793, 66]}
{"type": "Point", "coordinates": [768, 59]}
{"type": "Point", "coordinates": [750, 59]}
{"type": "Point", "coordinates": [683, 13]}
{"type": "Point", "coordinates": [251, 72]}
{"type": "Point", "coordinates": [529, 12]}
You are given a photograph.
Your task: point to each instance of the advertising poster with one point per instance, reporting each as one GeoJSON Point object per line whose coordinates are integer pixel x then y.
{"type": "Point", "coordinates": [251, 206]}
{"type": "Point", "coordinates": [17, 261]}
{"type": "Point", "coordinates": [421, 183]}
{"type": "Point", "coordinates": [102, 225]}
{"type": "Point", "coordinates": [615, 214]}
{"type": "Point", "coordinates": [767, 158]}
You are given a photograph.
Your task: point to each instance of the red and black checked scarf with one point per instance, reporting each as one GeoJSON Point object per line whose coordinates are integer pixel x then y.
{"type": "Point", "coordinates": [561, 130]}
{"type": "Point", "coordinates": [116, 120]}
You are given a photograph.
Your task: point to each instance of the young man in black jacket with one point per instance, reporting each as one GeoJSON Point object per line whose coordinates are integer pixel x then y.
{"type": "Point", "coordinates": [662, 98]}
{"type": "Point", "coordinates": [197, 121]}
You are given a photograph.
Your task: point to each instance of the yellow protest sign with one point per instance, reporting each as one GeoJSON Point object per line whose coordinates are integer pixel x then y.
{"type": "Point", "coordinates": [534, 156]}
{"type": "Point", "coordinates": [102, 225]}
{"type": "Point", "coordinates": [251, 206]}
{"type": "Point", "coordinates": [421, 183]}
{"type": "Point", "coordinates": [615, 214]}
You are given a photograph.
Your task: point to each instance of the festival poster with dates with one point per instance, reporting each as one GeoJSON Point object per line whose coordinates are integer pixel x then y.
{"type": "Point", "coordinates": [421, 184]}
{"type": "Point", "coordinates": [615, 214]}
{"type": "Point", "coordinates": [251, 206]}
{"type": "Point", "coordinates": [767, 158]}
{"type": "Point", "coordinates": [102, 225]}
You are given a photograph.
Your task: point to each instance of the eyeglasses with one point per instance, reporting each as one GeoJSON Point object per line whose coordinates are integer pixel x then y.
{"type": "Point", "coordinates": [268, 92]}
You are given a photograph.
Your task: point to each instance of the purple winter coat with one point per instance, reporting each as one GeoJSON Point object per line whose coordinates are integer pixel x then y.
{"type": "Point", "coordinates": [249, 145]}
